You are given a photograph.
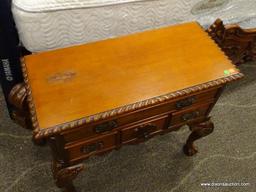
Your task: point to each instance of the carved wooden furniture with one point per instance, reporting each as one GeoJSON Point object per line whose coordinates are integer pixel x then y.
{"type": "Point", "coordinates": [91, 99]}
{"type": "Point", "coordinates": [239, 44]}
{"type": "Point", "coordinates": [243, 44]}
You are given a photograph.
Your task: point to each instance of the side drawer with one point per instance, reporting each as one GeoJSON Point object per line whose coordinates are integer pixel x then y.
{"type": "Point", "coordinates": [188, 115]}
{"type": "Point", "coordinates": [144, 130]}
{"type": "Point", "coordinates": [85, 148]}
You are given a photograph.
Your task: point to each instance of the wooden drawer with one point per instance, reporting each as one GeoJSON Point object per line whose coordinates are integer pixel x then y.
{"type": "Point", "coordinates": [188, 115]}
{"type": "Point", "coordinates": [144, 130]}
{"type": "Point", "coordinates": [85, 148]}
{"type": "Point", "coordinates": [96, 129]}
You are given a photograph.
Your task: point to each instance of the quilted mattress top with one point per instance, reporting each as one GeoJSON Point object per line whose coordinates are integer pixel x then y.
{"type": "Point", "coordinates": [53, 5]}
{"type": "Point", "coordinates": [52, 24]}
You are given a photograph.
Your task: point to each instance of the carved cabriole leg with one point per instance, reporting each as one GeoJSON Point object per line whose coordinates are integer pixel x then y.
{"type": "Point", "coordinates": [63, 174]}
{"type": "Point", "coordinates": [199, 130]}
{"type": "Point", "coordinates": [41, 142]}
{"type": "Point", "coordinates": [18, 99]}
{"type": "Point", "coordinates": [238, 44]}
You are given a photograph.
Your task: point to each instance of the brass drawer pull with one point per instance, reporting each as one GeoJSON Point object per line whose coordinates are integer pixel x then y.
{"type": "Point", "coordinates": [92, 147]}
{"type": "Point", "coordinates": [190, 116]}
{"type": "Point", "coordinates": [143, 132]}
{"type": "Point", "coordinates": [185, 102]}
{"type": "Point", "coordinates": [107, 126]}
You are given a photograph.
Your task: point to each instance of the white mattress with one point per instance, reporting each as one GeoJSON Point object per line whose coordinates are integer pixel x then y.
{"type": "Point", "coordinates": [52, 24]}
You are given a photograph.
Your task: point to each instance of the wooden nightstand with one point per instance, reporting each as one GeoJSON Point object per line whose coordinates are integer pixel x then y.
{"type": "Point", "coordinates": [91, 99]}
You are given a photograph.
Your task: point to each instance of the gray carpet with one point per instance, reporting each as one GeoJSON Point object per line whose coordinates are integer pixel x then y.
{"type": "Point", "coordinates": [227, 155]}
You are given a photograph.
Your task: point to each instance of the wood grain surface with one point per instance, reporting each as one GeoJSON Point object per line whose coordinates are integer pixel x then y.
{"type": "Point", "coordinates": [76, 82]}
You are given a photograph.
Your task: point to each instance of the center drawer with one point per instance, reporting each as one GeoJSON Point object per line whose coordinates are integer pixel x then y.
{"type": "Point", "coordinates": [144, 130]}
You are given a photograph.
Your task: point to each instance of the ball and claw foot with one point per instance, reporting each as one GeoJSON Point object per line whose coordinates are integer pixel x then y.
{"type": "Point", "coordinates": [199, 130]}
{"type": "Point", "coordinates": [189, 151]}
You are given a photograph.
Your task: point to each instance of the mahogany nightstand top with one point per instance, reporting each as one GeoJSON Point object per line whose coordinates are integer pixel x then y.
{"type": "Point", "coordinates": [73, 83]}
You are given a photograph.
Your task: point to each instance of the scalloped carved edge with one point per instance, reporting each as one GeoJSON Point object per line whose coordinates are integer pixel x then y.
{"type": "Point", "coordinates": [238, 44]}
{"type": "Point", "coordinates": [46, 132]}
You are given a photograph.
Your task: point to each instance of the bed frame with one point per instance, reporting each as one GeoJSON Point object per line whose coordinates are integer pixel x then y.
{"type": "Point", "coordinates": [238, 44]}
